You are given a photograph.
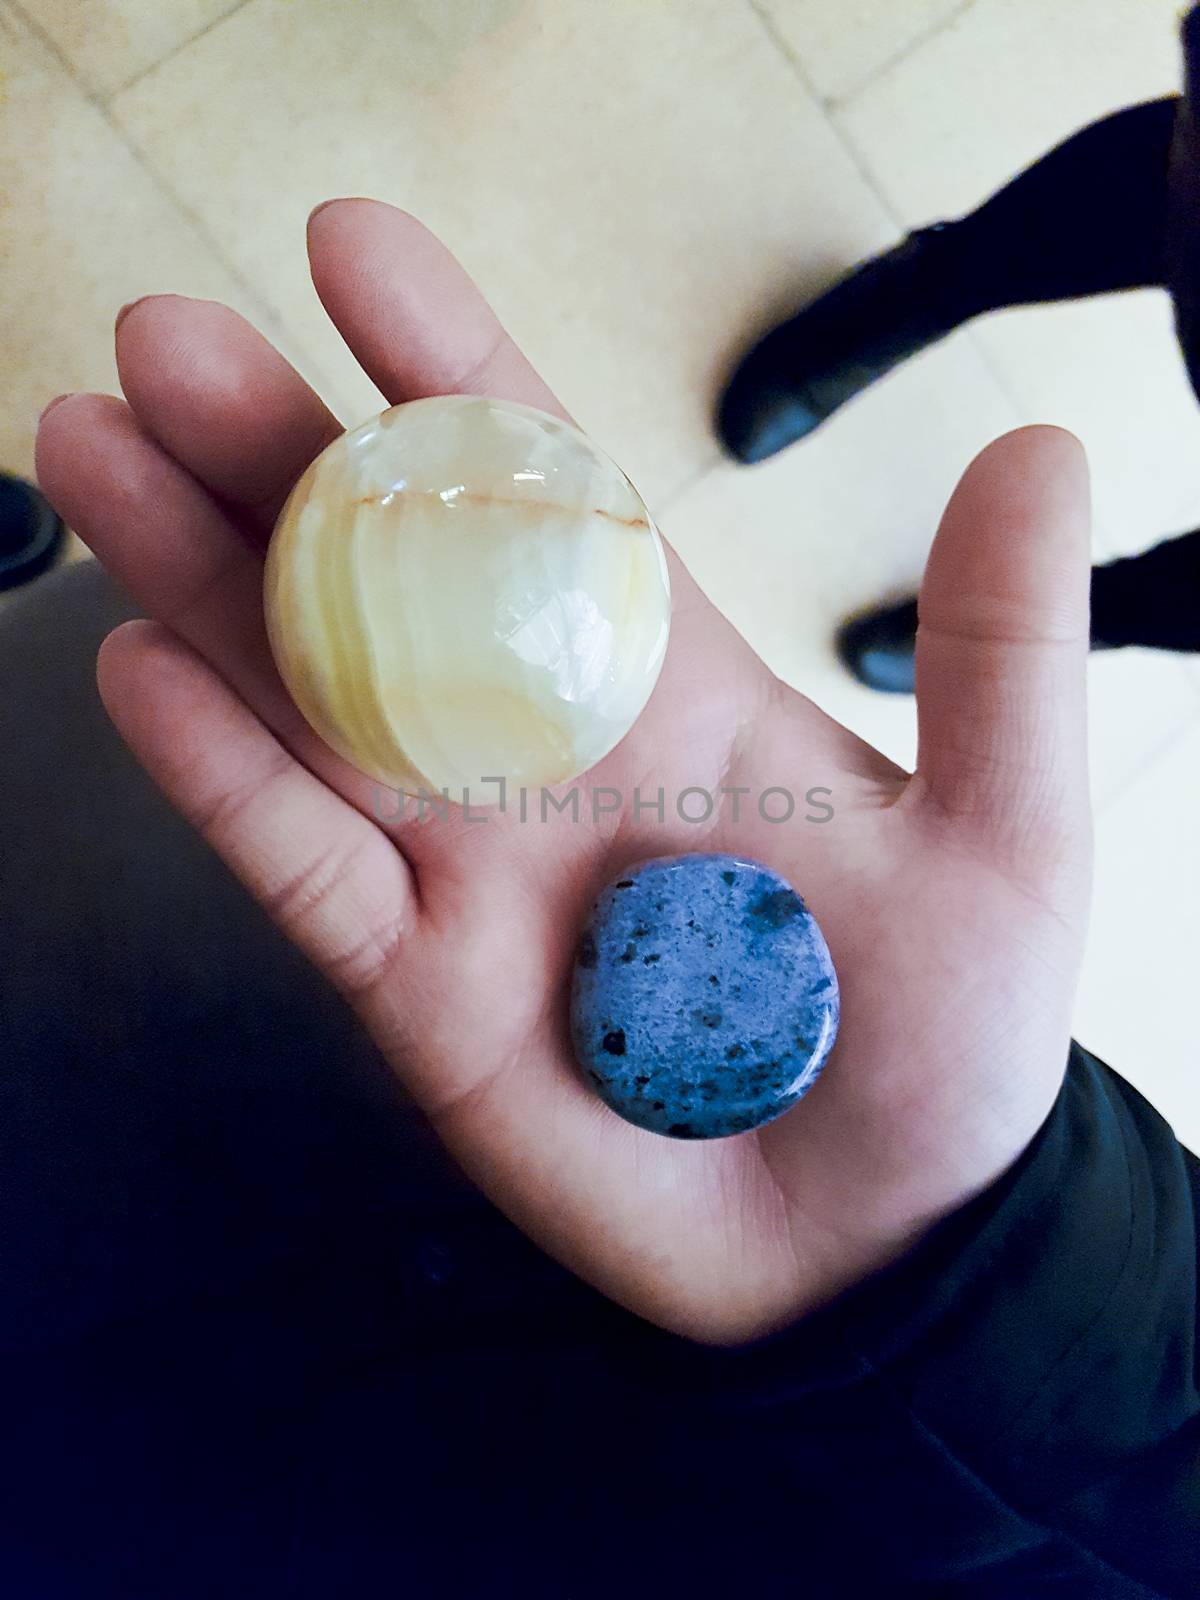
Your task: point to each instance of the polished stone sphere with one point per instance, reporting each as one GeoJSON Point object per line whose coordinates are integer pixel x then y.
{"type": "Point", "coordinates": [464, 589]}
{"type": "Point", "coordinates": [704, 1000]}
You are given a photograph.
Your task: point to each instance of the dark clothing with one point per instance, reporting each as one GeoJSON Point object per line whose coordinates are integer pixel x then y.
{"type": "Point", "coordinates": [1152, 598]}
{"type": "Point", "coordinates": [261, 1340]}
{"type": "Point", "coordinates": [1116, 206]}
{"type": "Point", "coordinates": [1182, 243]}
{"type": "Point", "coordinates": [1089, 217]}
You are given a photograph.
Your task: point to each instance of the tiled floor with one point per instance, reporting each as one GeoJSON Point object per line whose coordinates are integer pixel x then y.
{"type": "Point", "coordinates": [638, 185]}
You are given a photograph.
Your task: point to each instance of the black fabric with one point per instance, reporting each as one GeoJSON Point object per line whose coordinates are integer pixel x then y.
{"type": "Point", "coordinates": [258, 1338]}
{"type": "Point", "coordinates": [1089, 217]}
{"type": "Point", "coordinates": [1183, 205]}
{"type": "Point", "coordinates": [1150, 599]}
{"type": "Point", "coordinates": [435, 1409]}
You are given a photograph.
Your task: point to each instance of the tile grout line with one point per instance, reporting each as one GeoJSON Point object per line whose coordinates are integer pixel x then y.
{"type": "Point", "coordinates": [831, 107]}
{"type": "Point", "coordinates": [768, 25]}
{"type": "Point", "coordinates": [1152, 760]}
{"type": "Point", "coordinates": [144, 72]}
{"type": "Point", "coordinates": [688, 482]}
{"type": "Point", "coordinates": [869, 180]}
{"type": "Point", "coordinates": [859, 162]}
{"type": "Point", "coordinates": [270, 319]}
{"type": "Point", "coordinates": [835, 102]}
{"type": "Point", "coordinates": [994, 372]}
{"type": "Point", "coordinates": [771, 28]}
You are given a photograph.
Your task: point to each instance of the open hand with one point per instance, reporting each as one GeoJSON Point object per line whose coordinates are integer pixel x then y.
{"type": "Point", "coordinates": [954, 900]}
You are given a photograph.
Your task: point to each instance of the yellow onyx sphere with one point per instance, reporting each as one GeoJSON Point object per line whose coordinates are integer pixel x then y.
{"type": "Point", "coordinates": [464, 589]}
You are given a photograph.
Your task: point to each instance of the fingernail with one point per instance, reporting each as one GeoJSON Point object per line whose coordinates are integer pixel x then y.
{"type": "Point", "coordinates": [127, 308]}
{"type": "Point", "coordinates": [57, 401]}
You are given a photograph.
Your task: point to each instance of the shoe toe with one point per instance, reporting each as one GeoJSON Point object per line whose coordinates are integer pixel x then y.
{"type": "Point", "coordinates": [31, 533]}
{"type": "Point", "coordinates": [757, 420]}
{"type": "Point", "coordinates": [880, 650]}
{"type": "Point", "coordinates": [886, 671]}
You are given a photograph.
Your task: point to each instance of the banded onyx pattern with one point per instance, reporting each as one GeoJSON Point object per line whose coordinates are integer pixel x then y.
{"type": "Point", "coordinates": [463, 588]}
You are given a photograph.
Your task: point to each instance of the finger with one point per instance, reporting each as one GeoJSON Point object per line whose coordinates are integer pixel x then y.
{"type": "Point", "coordinates": [164, 539]}
{"type": "Point", "coordinates": [412, 317]}
{"type": "Point", "coordinates": [418, 325]}
{"type": "Point", "coordinates": [176, 552]}
{"type": "Point", "coordinates": [333, 882]}
{"type": "Point", "coordinates": [1003, 638]}
{"type": "Point", "coordinates": [222, 401]}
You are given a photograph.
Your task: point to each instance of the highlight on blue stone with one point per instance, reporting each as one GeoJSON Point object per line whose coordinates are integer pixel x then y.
{"type": "Point", "coordinates": [704, 1000]}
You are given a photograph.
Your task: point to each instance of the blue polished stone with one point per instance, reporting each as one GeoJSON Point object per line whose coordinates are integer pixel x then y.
{"type": "Point", "coordinates": [704, 1000]}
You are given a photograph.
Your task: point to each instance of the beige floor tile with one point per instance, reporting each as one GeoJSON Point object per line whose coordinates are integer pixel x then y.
{"type": "Point", "coordinates": [632, 226]}
{"type": "Point", "coordinates": [635, 185]}
{"type": "Point", "coordinates": [1110, 370]}
{"type": "Point", "coordinates": [94, 231]}
{"type": "Point", "coordinates": [790, 548]}
{"type": "Point", "coordinates": [846, 518]}
{"type": "Point", "coordinates": [841, 43]}
{"type": "Point", "coordinates": [1135, 1005]}
{"type": "Point", "coordinates": [107, 43]}
{"type": "Point", "coordinates": [1139, 703]}
{"type": "Point", "coordinates": [965, 111]}
{"type": "Point", "coordinates": [1001, 84]}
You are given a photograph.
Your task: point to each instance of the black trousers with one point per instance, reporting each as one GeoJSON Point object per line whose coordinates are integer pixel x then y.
{"type": "Point", "coordinates": [1117, 206]}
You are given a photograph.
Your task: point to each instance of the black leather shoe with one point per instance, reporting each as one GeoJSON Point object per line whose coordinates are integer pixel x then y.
{"type": "Point", "coordinates": [801, 372]}
{"type": "Point", "coordinates": [879, 647]}
{"type": "Point", "coordinates": [31, 534]}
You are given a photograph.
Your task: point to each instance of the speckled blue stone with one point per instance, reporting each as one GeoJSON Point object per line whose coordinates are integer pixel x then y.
{"type": "Point", "coordinates": [704, 1000]}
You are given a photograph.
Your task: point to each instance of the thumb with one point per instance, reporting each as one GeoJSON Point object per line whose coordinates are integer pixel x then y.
{"type": "Point", "coordinates": [1002, 646]}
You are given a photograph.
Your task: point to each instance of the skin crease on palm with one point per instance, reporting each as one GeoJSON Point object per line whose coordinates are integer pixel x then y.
{"type": "Point", "coordinates": [954, 901]}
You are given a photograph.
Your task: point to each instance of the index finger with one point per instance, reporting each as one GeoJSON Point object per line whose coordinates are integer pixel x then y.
{"type": "Point", "coordinates": [413, 318]}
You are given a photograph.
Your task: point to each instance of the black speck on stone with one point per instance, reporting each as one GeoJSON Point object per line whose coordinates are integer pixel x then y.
{"type": "Point", "coordinates": [713, 979]}
{"type": "Point", "coordinates": [625, 883]}
{"type": "Point", "coordinates": [658, 1105]}
{"type": "Point", "coordinates": [648, 961]}
{"type": "Point", "coordinates": [639, 931]}
{"type": "Point", "coordinates": [735, 1052]}
{"type": "Point", "coordinates": [629, 952]}
{"type": "Point", "coordinates": [730, 878]}
{"type": "Point", "coordinates": [681, 1130]}
{"type": "Point", "coordinates": [642, 1079]}
{"type": "Point", "coordinates": [587, 951]}
{"type": "Point", "coordinates": [614, 1042]}
{"type": "Point", "coordinates": [777, 907]}
{"type": "Point", "coordinates": [710, 1019]}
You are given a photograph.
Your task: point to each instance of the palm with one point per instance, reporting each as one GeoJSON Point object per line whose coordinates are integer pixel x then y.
{"type": "Point", "coordinates": [955, 923]}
